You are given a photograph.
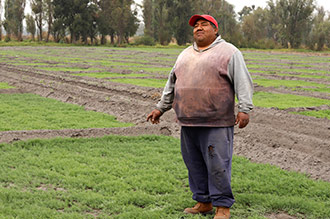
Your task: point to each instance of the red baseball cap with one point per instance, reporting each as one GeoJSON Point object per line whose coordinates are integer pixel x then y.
{"type": "Point", "coordinates": [207, 17]}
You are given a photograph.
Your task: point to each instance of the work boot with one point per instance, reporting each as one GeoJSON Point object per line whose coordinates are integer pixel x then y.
{"type": "Point", "coordinates": [200, 207]}
{"type": "Point", "coordinates": [222, 213]}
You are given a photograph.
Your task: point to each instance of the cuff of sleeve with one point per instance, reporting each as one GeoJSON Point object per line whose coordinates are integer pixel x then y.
{"type": "Point", "coordinates": [244, 110]}
{"type": "Point", "coordinates": [161, 110]}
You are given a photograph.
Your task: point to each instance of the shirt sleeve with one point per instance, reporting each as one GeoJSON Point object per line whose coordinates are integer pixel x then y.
{"type": "Point", "coordinates": [243, 85]}
{"type": "Point", "coordinates": [166, 100]}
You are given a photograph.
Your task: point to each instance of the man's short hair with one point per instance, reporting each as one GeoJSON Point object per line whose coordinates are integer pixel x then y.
{"type": "Point", "coordinates": [213, 25]}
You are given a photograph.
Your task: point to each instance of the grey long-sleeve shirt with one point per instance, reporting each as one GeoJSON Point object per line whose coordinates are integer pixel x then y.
{"type": "Point", "coordinates": [238, 75]}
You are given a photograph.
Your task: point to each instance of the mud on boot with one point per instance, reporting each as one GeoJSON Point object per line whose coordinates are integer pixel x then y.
{"type": "Point", "coordinates": [200, 208]}
{"type": "Point", "coordinates": [222, 213]}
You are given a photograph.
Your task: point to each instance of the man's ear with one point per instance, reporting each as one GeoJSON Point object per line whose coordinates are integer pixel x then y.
{"type": "Point", "coordinates": [216, 31]}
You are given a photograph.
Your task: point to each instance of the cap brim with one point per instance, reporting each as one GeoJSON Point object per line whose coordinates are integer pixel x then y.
{"type": "Point", "coordinates": [193, 19]}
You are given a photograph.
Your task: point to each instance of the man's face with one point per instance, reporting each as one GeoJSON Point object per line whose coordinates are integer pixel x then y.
{"type": "Point", "coordinates": [204, 33]}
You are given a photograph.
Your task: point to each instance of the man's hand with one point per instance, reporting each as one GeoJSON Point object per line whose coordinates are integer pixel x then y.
{"type": "Point", "coordinates": [242, 119]}
{"type": "Point", "coordinates": [154, 116]}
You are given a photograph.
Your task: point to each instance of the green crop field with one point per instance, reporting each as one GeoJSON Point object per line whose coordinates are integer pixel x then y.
{"type": "Point", "coordinates": [29, 111]}
{"type": "Point", "coordinates": [142, 177]}
{"type": "Point", "coordinates": [136, 177]}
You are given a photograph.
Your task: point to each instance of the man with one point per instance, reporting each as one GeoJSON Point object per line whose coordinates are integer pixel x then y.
{"type": "Point", "coordinates": [201, 88]}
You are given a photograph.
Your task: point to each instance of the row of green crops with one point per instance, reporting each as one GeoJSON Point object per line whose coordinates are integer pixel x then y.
{"type": "Point", "coordinates": [29, 112]}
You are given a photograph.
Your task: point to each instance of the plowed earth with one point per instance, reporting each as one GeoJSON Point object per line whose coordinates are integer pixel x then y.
{"type": "Point", "coordinates": [292, 142]}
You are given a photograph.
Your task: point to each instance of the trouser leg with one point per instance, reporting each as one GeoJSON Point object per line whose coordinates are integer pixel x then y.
{"type": "Point", "coordinates": [207, 153]}
{"type": "Point", "coordinates": [217, 145]}
{"type": "Point", "coordinates": [197, 170]}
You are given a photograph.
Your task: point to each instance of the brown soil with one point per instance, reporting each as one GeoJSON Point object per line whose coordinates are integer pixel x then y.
{"type": "Point", "coordinates": [292, 142]}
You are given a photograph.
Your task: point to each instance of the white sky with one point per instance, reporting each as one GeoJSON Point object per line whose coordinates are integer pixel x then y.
{"type": "Point", "coordinates": [239, 4]}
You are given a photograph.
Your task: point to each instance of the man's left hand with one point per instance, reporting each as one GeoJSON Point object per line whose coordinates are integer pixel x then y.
{"type": "Point", "coordinates": [242, 119]}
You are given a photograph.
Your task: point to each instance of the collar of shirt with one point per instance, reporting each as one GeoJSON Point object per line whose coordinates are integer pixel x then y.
{"type": "Point", "coordinates": [215, 42]}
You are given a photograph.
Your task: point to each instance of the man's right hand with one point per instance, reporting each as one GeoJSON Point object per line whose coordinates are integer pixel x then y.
{"type": "Point", "coordinates": [154, 116]}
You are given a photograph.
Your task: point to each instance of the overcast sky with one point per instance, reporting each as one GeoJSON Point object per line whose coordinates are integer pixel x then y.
{"type": "Point", "coordinates": [239, 4]}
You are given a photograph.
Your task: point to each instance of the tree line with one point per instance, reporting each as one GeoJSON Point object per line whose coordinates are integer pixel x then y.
{"type": "Point", "coordinates": [282, 23]}
{"type": "Point", "coordinates": [82, 20]}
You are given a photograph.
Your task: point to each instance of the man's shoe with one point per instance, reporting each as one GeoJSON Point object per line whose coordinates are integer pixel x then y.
{"type": "Point", "coordinates": [222, 213]}
{"type": "Point", "coordinates": [200, 208]}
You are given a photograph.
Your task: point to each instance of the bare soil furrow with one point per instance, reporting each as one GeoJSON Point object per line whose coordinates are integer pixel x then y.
{"type": "Point", "coordinates": [92, 83]}
{"type": "Point", "coordinates": [12, 136]}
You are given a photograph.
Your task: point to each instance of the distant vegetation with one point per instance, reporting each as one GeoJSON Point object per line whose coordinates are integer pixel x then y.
{"type": "Point", "coordinates": [282, 24]}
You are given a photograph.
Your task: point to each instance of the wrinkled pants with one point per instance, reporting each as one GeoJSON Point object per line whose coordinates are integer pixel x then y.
{"type": "Point", "coordinates": [207, 153]}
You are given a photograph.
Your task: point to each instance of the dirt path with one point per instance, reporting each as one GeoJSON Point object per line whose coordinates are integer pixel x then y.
{"type": "Point", "coordinates": [292, 142]}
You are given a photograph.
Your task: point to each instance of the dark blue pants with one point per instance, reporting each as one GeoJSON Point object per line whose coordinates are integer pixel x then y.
{"type": "Point", "coordinates": [207, 153]}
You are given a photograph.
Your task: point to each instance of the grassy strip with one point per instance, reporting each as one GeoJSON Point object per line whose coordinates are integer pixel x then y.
{"type": "Point", "coordinates": [294, 84]}
{"type": "Point", "coordinates": [109, 75]}
{"type": "Point", "coordinates": [287, 74]}
{"type": "Point", "coordinates": [32, 64]}
{"type": "Point", "coordinates": [293, 70]}
{"type": "Point", "coordinates": [68, 69]}
{"type": "Point", "coordinates": [285, 101]}
{"type": "Point", "coordinates": [150, 82]}
{"type": "Point", "coordinates": [148, 69]}
{"type": "Point", "coordinates": [4, 85]}
{"type": "Point", "coordinates": [33, 43]}
{"type": "Point", "coordinates": [307, 76]}
{"type": "Point", "coordinates": [136, 177]}
{"type": "Point", "coordinates": [28, 112]}
{"type": "Point", "coordinates": [318, 114]}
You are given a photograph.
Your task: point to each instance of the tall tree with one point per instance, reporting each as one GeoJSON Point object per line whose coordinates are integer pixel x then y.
{"type": "Point", "coordinates": [49, 12]}
{"type": "Point", "coordinates": [125, 20]}
{"type": "Point", "coordinates": [30, 25]}
{"type": "Point", "coordinates": [8, 23]}
{"type": "Point", "coordinates": [0, 20]}
{"type": "Point", "coordinates": [103, 20]}
{"type": "Point", "coordinates": [14, 15]}
{"type": "Point", "coordinates": [320, 33]}
{"type": "Point", "coordinates": [68, 14]}
{"type": "Point", "coordinates": [38, 8]}
{"type": "Point", "coordinates": [84, 20]}
{"type": "Point", "coordinates": [148, 17]}
{"type": "Point", "coordinates": [254, 26]}
{"type": "Point", "coordinates": [181, 11]}
{"type": "Point", "coordinates": [293, 16]}
{"type": "Point", "coordinates": [245, 11]}
{"type": "Point", "coordinates": [162, 29]}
